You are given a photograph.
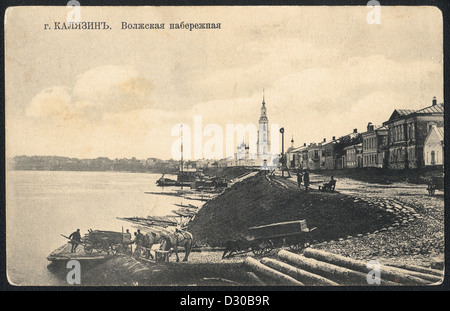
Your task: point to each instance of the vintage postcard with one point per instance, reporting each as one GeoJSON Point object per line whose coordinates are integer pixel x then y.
{"type": "Point", "coordinates": [224, 146]}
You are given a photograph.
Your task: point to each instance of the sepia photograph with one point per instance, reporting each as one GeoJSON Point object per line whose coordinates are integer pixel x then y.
{"type": "Point", "coordinates": [234, 146]}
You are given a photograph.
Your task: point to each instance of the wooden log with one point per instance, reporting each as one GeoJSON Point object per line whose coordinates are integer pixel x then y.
{"type": "Point", "coordinates": [428, 278]}
{"type": "Point", "coordinates": [390, 274]}
{"type": "Point", "coordinates": [270, 273]}
{"type": "Point", "coordinates": [335, 273]}
{"type": "Point", "coordinates": [253, 277]}
{"type": "Point", "coordinates": [298, 274]}
{"type": "Point", "coordinates": [415, 268]}
{"type": "Point", "coordinates": [223, 280]}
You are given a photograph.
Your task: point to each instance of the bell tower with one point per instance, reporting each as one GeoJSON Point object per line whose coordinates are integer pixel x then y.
{"type": "Point", "coordinates": [263, 144]}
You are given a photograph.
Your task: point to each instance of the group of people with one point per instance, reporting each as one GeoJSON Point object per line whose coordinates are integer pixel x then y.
{"type": "Point", "coordinates": [127, 241]}
{"type": "Point", "coordinates": [303, 178]}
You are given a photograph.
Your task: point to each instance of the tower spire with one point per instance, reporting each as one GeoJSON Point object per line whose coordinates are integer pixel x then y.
{"type": "Point", "coordinates": [263, 109]}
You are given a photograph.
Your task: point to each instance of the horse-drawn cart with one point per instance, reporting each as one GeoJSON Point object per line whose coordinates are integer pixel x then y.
{"type": "Point", "coordinates": [104, 241]}
{"type": "Point", "coordinates": [262, 239]}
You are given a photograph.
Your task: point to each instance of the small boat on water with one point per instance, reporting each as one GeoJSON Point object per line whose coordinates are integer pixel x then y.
{"type": "Point", "coordinates": [184, 213]}
{"type": "Point", "coordinates": [165, 182]}
{"type": "Point", "coordinates": [187, 206]}
{"type": "Point", "coordinates": [193, 179]}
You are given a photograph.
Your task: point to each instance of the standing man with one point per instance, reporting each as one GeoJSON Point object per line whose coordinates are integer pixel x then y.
{"type": "Point", "coordinates": [75, 240]}
{"type": "Point", "coordinates": [306, 180]}
{"type": "Point", "coordinates": [138, 240]}
{"type": "Point", "coordinates": [299, 179]}
{"type": "Point", "coordinates": [139, 236]}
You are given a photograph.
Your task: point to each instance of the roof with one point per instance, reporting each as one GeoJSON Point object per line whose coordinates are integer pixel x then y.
{"type": "Point", "coordinates": [405, 112]}
{"type": "Point", "coordinates": [295, 149]}
{"type": "Point", "coordinates": [439, 130]}
{"type": "Point", "coordinates": [399, 113]}
{"type": "Point", "coordinates": [434, 109]}
{"type": "Point", "coordinates": [376, 131]}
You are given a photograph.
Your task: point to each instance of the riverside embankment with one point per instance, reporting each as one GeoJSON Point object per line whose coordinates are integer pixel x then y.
{"type": "Point", "coordinates": [393, 224]}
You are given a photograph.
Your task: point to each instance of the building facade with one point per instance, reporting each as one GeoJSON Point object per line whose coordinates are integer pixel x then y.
{"type": "Point", "coordinates": [374, 143]}
{"type": "Point", "coordinates": [297, 157]}
{"type": "Point", "coordinates": [407, 131]}
{"type": "Point", "coordinates": [353, 156]}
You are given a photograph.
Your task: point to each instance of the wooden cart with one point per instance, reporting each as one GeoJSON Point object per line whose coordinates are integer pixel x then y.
{"type": "Point", "coordinates": [262, 239]}
{"type": "Point", "coordinates": [294, 234]}
{"type": "Point", "coordinates": [104, 241]}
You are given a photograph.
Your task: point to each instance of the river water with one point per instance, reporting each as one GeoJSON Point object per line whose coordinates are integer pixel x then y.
{"type": "Point", "coordinates": [42, 205]}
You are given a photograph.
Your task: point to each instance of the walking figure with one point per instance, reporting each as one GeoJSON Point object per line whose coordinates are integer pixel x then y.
{"type": "Point", "coordinates": [306, 180]}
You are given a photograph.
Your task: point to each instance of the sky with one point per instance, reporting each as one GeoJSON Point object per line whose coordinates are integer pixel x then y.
{"type": "Point", "coordinates": [119, 93]}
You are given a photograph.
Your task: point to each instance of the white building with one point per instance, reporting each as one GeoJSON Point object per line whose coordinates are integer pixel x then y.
{"type": "Point", "coordinates": [433, 151]}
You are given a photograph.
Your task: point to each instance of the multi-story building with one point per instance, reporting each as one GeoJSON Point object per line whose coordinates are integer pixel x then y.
{"type": "Point", "coordinates": [407, 131]}
{"type": "Point", "coordinates": [353, 156]}
{"type": "Point", "coordinates": [374, 142]}
{"type": "Point", "coordinates": [327, 154]}
{"type": "Point", "coordinates": [331, 154]}
{"type": "Point", "coordinates": [312, 159]}
{"type": "Point", "coordinates": [297, 157]}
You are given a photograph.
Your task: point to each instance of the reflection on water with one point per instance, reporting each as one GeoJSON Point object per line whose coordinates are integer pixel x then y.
{"type": "Point", "coordinates": [41, 205]}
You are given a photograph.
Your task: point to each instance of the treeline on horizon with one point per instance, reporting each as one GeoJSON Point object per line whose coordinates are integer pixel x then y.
{"type": "Point", "coordinates": [57, 163]}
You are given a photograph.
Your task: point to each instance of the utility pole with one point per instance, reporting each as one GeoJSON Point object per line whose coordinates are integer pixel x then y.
{"type": "Point", "coordinates": [181, 159]}
{"type": "Point", "coordinates": [283, 157]}
{"type": "Point", "coordinates": [282, 151]}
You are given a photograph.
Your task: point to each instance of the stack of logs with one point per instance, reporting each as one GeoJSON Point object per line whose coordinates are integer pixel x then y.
{"type": "Point", "coordinates": [318, 268]}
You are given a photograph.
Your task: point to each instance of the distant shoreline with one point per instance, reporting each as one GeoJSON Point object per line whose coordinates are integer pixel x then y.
{"type": "Point", "coordinates": [100, 164]}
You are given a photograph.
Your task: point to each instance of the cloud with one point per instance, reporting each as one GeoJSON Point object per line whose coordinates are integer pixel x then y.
{"type": "Point", "coordinates": [96, 93]}
{"type": "Point", "coordinates": [114, 88]}
{"type": "Point", "coordinates": [55, 104]}
{"type": "Point", "coordinates": [107, 112]}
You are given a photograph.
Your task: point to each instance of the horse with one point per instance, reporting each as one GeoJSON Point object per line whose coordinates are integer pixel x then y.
{"type": "Point", "coordinates": [178, 238]}
{"type": "Point", "coordinates": [147, 241]}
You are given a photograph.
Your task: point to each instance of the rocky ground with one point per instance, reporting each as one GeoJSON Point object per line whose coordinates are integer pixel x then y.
{"type": "Point", "coordinates": [415, 237]}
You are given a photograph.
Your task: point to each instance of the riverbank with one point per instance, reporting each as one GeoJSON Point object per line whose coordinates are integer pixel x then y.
{"type": "Point", "coordinates": [393, 224]}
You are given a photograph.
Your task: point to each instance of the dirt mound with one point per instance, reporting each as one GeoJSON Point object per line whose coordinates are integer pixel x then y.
{"type": "Point", "coordinates": [259, 200]}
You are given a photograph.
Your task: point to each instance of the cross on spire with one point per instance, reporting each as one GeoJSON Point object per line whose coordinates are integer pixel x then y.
{"type": "Point", "coordinates": [263, 98]}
